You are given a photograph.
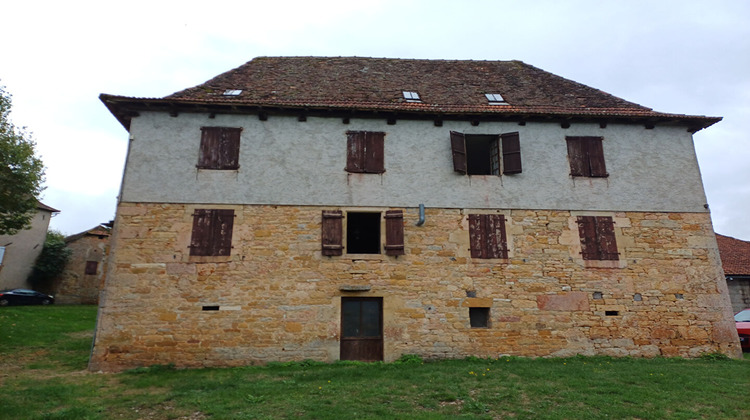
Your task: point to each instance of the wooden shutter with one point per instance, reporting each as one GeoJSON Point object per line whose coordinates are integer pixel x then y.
{"type": "Point", "coordinates": [91, 267]}
{"type": "Point", "coordinates": [332, 233]}
{"type": "Point", "coordinates": [476, 236]}
{"type": "Point", "coordinates": [577, 156]}
{"type": "Point", "coordinates": [605, 229]}
{"type": "Point", "coordinates": [587, 233]}
{"type": "Point", "coordinates": [355, 151]}
{"type": "Point", "coordinates": [458, 146]}
{"type": "Point", "coordinates": [595, 152]}
{"type": "Point", "coordinates": [374, 161]}
{"type": "Point", "coordinates": [212, 232]}
{"type": "Point", "coordinates": [220, 148]}
{"type": "Point", "coordinates": [511, 153]}
{"type": "Point", "coordinates": [495, 158]}
{"type": "Point", "coordinates": [394, 232]}
{"type": "Point", "coordinates": [487, 236]}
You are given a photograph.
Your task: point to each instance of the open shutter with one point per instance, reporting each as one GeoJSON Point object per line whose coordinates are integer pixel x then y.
{"type": "Point", "coordinates": [587, 233]}
{"type": "Point", "coordinates": [355, 151]}
{"type": "Point", "coordinates": [595, 154]}
{"type": "Point", "coordinates": [394, 232]}
{"type": "Point", "coordinates": [458, 146]}
{"type": "Point", "coordinates": [511, 153]}
{"type": "Point", "coordinates": [332, 232]}
{"type": "Point", "coordinates": [577, 156]}
{"type": "Point", "coordinates": [374, 151]}
{"type": "Point", "coordinates": [605, 229]}
{"type": "Point", "coordinates": [497, 246]}
{"type": "Point", "coordinates": [477, 236]}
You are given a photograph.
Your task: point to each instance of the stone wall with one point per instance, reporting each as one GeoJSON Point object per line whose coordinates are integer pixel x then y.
{"type": "Point", "coordinates": [75, 286]}
{"type": "Point", "coordinates": [279, 299]}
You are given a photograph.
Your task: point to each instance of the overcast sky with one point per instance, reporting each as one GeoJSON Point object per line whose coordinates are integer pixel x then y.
{"type": "Point", "coordinates": [688, 57]}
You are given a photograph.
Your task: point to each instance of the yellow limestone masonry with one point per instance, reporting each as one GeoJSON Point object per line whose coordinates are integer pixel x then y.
{"type": "Point", "coordinates": [279, 298]}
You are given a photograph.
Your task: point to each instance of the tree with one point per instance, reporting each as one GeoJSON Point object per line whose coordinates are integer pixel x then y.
{"type": "Point", "coordinates": [51, 262]}
{"type": "Point", "coordinates": [21, 172]}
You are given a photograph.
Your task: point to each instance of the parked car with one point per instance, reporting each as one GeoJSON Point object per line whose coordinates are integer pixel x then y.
{"type": "Point", "coordinates": [742, 319]}
{"type": "Point", "coordinates": [24, 297]}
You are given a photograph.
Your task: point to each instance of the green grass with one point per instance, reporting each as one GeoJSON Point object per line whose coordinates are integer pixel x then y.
{"type": "Point", "coordinates": [44, 351]}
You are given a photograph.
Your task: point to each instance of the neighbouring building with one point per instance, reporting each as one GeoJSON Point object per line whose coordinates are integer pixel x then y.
{"type": "Point", "coordinates": [83, 276]}
{"type": "Point", "coordinates": [18, 252]}
{"type": "Point", "coordinates": [364, 208]}
{"type": "Point", "coordinates": [735, 258]}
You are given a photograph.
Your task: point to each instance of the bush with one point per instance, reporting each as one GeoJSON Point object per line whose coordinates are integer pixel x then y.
{"type": "Point", "coordinates": [51, 262]}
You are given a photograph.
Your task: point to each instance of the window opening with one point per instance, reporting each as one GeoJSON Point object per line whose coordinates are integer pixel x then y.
{"type": "Point", "coordinates": [495, 99]}
{"type": "Point", "coordinates": [363, 233]}
{"type": "Point", "coordinates": [232, 92]}
{"type": "Point", "coordinates": [411, 96]}
{"type": "Point", "coordinates": [91, 267]}
{"type": "Point", "coordinates": [479, 317]}
{"type": "Point", "coordinates": [482, 155]}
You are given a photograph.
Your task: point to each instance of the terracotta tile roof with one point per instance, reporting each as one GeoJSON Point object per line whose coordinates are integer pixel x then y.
{"type": "Point", "coordinates": [43, 206]}
{"type": "Point", "coordinates": [446, 87]}
{"type": "Point", "coordinates": [100, 230]}
{"type": "Point", "coordinates": [735, 255]}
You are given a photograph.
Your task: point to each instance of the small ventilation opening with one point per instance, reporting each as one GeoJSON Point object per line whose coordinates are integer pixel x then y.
{"type": "Point", "coordinates": [611, 313]}
{"type": "Point", "coordinates": [211, 308]}
{"type": "Point", "coordinates": [479, 317]}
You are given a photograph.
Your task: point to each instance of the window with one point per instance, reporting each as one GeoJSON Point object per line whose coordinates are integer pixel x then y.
{"type": "Point", "coordinates": [411, 96]}
{"type": "Point", "coordinates": [495, 99]}
{"type": "Point", "coordinates": [597, 238]}
{"type": "Point", "coordinates": [487, 236]}
{"type": "Point", "coordinates": [232, 92]}
{"type": "Point", "coordinates": [212, 232]}
{"type": "Point", "coordinates": [363, 233]}
{"type": "Point", "coordinates": [479, 317]}
{"type": "Point", "coordinates": [91, 267]}
{"type": "Point", "coordinates": [482, 154]}
{"type": "Point", "coordinates": [365, 151]}
{"type": "Point", "coordinates": [220, 148]}
{"type": "Point", "coordinates": [586, 156]}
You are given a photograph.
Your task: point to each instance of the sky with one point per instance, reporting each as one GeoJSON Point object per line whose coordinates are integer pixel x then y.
{"type": "Point", "coordinates": [686, 57]}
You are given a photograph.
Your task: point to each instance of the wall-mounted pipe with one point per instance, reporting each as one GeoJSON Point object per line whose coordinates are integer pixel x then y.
{"type": "Point", "coordinates": [421, 215]}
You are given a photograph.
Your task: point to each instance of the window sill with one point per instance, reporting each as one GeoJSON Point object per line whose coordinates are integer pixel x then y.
{"type": "Point", "coordinates": [493, 261]}
{"type": "Point", "coordinates": [209, 258]}
{"type": "Point", "coordinates": [604, 263]}
{"type": "Point", "coordinates": [373, 257]}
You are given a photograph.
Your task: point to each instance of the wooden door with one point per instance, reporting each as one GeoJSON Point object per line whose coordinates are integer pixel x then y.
{"type": "Point", "coordinates": [362, 328]}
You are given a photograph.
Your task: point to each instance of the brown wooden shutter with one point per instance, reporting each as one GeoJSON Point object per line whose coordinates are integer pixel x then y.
{"type": "Point", "coordinates": [91, 267]}
{"type": "Point", "coordinates": [588, 234]}
{"type": "Point", "coordinates": [577, 156]}
{"type": "Point", "coordinates": [394, 232]}
{"type": "Point", "coordinates": [497, 246]}
{"type": "Point", "coordinates": [605, 229]}
{"type": "Point", "coordinates": [374, 161]}
{"type": "Point", "coordinates": [511, 153]}
{"type": "Point", "coordinates": [332, 233]}
{"type": "Point", "coordinates": [220, 148]}
{"type": "Point", "coordinates": [355, 151]}
{"type": "Point", "coordinates": [458, 146]}
{"type": "Point", "coordinates": [595, 152]}
{"type": "Point", "coordinates": [212, 232]}
{"type": "Point", "coordinates": [476, 236]}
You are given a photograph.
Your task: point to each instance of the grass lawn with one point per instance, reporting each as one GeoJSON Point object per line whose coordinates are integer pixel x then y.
{"type": "Point", "coordinates": [44, 351]}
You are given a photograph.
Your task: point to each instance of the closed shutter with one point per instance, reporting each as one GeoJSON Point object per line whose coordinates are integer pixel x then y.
{"type": "Point", "coordinates": [220, 148]}
{"type": "Point", "coordinates": [91, 267]}
{"type": "Point", "coordinates": [332, 233]}
{"type": "Point", "coordinates": [458, 146]}
{"type": "Point", "coordinates": [212, 232]}
{"type": "Point", "coordinates": [476, 236]}
{"type": "Point", "coordinates": [511, 153]}
{"type": "Point", "coordinates": [487, 237]}
{"type": "Point", "coordinates": [577, 156]}
{"type": "Point", "coordinates": [587, 233]}
{"type": "Point", "coordinates": [355, 151]}
{"type": "Point", "coordinates": [595, 154]}
{"type": "Point", "coordinates": [605, 228]}
{"type": "Point", "coordinates": [374, 161]}
{"type": "Point", "coordinates": [394, 232]}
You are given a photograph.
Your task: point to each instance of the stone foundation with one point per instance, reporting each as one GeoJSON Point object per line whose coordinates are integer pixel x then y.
{"type": "Point", "coordinates": [279, 299]}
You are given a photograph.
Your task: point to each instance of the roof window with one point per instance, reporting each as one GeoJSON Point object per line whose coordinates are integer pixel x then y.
{"type": "Point", "coordinates": [232, 92]}
{"type": "Point", "coordinates": [495, 99]}
{"type": "Point", "coordinates": [411, 96]}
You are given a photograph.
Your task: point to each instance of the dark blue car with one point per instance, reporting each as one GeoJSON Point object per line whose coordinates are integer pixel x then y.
{"type": "Point", "coordinates": [24, 297]}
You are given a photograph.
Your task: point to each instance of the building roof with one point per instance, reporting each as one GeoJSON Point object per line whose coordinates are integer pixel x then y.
{"type": "Point", "coordinates": [42, 206]}
{"type": "Point", "coordinates": [448, 89]}
{"type": "Point", "coordinates": [100, 230]}
{"type": "Point", "coordinates": [735, 255]}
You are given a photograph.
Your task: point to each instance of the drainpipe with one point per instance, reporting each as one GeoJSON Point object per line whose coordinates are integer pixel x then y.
{"type": "Point", "coordinates": [421, 215]}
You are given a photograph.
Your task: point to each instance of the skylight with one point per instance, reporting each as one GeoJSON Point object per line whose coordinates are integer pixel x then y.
{"type": "Point", "coordinates": [232, 92]}
{"type": "Point", "coordinates": [495, 99]}
{"type": "Point", "coordinates": [411, 96]}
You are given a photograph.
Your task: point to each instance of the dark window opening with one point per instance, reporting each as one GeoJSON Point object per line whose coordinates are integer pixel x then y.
{"type": "Point", "coordinates": [363, 233]}
{"type": "Point", "coordinates": [482, 155]}
{"type": "Point", "coordinates": [479, 317]}
{"type": "Point", "coordinates": [611, 313]}
{"type": "Point", "coordinates": [486, 154]}
{"type": "Point", "coordinates": [211, 308]}
{"type": "Point", "coordinates": [91, 267]}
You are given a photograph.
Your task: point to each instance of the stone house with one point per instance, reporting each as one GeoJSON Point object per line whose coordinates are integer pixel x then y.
{"type": "Point", "coordinates": [735, 259]}
{"type": "Point", "coordinates": [83, 276]}
{"type": "Point", "coordinates": [363, 208]}
{"type": "Point", "coordinates": [19, 252]}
